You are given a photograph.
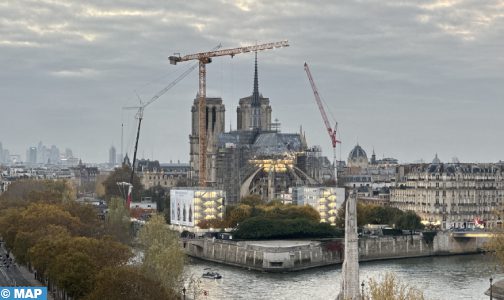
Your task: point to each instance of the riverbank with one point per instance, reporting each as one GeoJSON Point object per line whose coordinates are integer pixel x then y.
{"type": "Point", "coordinates": [296, 255]}
{"type": "Point", "coordinates": [461, 277]}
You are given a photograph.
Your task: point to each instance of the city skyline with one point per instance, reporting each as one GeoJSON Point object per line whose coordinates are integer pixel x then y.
{"type": "Point", "coordinates": [409, 80]}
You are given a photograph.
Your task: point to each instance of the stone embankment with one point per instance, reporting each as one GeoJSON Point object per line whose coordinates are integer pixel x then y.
{"type": "Point", "coordinates": [282, 256]}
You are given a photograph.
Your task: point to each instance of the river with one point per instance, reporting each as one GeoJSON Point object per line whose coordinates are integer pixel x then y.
{"type": "Point", "coordinates": [440, 278]}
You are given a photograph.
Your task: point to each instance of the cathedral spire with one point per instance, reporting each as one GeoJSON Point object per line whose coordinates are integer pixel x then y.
{"type": "Point", "coordinates": [255, 94]}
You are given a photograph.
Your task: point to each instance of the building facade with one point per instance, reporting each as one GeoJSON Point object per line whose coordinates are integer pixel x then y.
{"type": "Point", "coordinates": [451, 195]}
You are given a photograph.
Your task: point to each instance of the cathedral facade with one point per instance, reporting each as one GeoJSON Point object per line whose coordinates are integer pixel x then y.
{"type": "Point", "coordinates": [255, 158]}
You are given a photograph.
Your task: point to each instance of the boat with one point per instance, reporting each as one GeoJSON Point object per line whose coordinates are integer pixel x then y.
{"type": "Point", "coordinates": [212, 275]}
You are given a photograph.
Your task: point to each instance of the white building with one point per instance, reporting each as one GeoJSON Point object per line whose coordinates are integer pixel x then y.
{"type": "Point", "coordinates": [190, 206]}
{"type": "Point", "coordinates": [325, 200]}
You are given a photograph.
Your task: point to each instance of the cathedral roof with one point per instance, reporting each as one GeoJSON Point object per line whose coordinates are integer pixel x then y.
{"type": "Point", "coordinates": [277, 143]}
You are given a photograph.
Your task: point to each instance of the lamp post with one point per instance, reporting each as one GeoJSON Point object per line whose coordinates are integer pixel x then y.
{"type": "Point", "coordinates": [491, 279]}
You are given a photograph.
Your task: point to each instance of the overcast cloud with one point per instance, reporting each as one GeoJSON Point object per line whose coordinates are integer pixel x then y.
{"type": "Point", "coordinates": [409, 78]}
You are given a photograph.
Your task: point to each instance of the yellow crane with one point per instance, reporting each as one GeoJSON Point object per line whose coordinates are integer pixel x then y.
{"type": "Point", "coordinates": [205, 58]}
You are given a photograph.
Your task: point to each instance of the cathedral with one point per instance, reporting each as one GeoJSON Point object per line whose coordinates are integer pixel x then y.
{"type": "Point", "coordinates": [256, 158]}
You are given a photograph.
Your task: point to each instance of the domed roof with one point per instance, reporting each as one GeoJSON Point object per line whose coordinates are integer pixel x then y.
{"type": "Point", "coordinates": [356, 153]}
{"type": "Point", "coordinates": [436, 160]}
{"type": "Point", "coordinates": [357, 157]}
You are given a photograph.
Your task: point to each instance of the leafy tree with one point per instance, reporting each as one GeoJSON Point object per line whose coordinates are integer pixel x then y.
{"type": "Point", "coordinates": [409, 221]}
{"type": "Point", "coordinates": [87, 214]}
{"type": "Point", "coordinates": [117, 222]}
{"type": "Point", "coordinates": [73, 272]}
{"type": "Point", "coordinates": [42, 254]}
{"type": "Point", "coordinates": [390, 288]}
{"type": "Point", "coordinates": [127, 283]}
{"type": "Point", "coordinates": [22, 192]}
{"type": "Point", "coordinates": [158, 194]}
{"type": "Point", "coordinates": [252, 200]}
{"type": "Point", "coordinates": [239, 214]}
{"type": "Point", "coordinates": [274, 228]}
{"type": "Point", "coordinates": [122, 174]}
{"type": "Point", "coordinates": [163, 257]}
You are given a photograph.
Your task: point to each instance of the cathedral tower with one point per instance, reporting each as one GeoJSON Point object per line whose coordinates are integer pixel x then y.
{"type": "Point", "coordinates": [254, 112]}
{"type": "Point", "coordinates": [215, 122]}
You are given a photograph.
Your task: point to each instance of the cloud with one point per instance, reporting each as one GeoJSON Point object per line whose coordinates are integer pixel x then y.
{"type": "Point", "coordinates": [377, 62]}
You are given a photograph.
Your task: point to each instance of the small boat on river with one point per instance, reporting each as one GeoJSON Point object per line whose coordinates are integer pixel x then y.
{"type": "Point", "coordinates": [212, 275]}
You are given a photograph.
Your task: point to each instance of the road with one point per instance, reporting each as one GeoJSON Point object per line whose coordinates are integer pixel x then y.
{"type": "Point", "coordinates": [12, 275]}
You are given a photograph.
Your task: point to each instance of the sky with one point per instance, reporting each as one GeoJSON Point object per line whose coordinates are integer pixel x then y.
{"type": "Point", "coordinates": [408, 79]}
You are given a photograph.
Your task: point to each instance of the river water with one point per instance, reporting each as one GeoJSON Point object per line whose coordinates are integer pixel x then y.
{"type": "Point", "coordinates": [440, 278]}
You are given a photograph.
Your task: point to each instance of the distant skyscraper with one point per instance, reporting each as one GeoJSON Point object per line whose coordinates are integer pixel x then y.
{"type": "Point", "coordinates": [6, 156]}
{"type": "Point", "coordinates": [68, 153]}
{"type": "Point", "coordinates": [112, 156]}
{"type": "Point", "coordinates": [31, 155]}
{"type": "Point", "coordinates": [54, 155]}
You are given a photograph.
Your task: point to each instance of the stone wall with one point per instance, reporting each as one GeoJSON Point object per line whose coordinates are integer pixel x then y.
{"type": "Point", "coordinates": [297, 255]}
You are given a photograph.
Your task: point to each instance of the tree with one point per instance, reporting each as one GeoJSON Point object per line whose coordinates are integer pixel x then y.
{"type": "Point", "coordinates": [117, 222]}
{"type": "Point", "coordinates": [127, 283]}
{"type": "Point", "coordinates": [390, 288]}
{"type": "Point", "coordinates": [122, 174]}
{"type": "Point", "coordinates": [252, 200]}
{"type": "Point", "coordinates": [73, 272]}
{"type": "Point", "coordinates": [239, 214]}
{"type": "Point", "coordinates": [163, 256]}
{"type": "Point", "coordinates": [22, 192]}
{"type": "Point", "coordinates": [409, 221]}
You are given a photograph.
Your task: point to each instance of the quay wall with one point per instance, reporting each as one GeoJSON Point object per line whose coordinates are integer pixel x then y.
{"type": "Point", "coordinates": [281, 256]}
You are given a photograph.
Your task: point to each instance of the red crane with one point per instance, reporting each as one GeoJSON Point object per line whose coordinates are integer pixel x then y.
{"type": "Point", "coordinates": [330, 130]}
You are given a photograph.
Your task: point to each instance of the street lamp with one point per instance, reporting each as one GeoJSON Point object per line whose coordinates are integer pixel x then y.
{"type": "Point", "coordinates": [491, 279]}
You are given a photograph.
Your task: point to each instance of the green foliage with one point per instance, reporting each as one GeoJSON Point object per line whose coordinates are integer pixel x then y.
{"type": "Point", "coordinates": [122, 174]}
{"type": "Point", "coordinates": [127, 283]}
{"type": "Point", "coordinates": [252, 200]}
{"type": "Point", "coordinates": [390, 288]}
{"type": "Point", "coordinates": [158, 194]}
{"type": "Point", "coordinates": [23, 192]}
{"type": "Point", "coordinates": [66, 243]}
{"type": "Point", "coordinates": [163, 256]}
{"type": "Point", "coordinates": [409, 220]}
{"type": "Point", "coordinates": [238, 215]}
{"type": "Point", "coordinates": [385, 215]}
{"type": "Point", "coordinates": [117, 222]}
{"type": "Point", "coordinates": [263, 227]}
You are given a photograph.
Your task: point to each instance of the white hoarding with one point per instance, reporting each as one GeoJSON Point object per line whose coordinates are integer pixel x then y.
{"type": "Point", "coordinates": [182, 207]}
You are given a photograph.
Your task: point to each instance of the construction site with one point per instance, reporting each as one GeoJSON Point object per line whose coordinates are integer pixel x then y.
{"type": "Point", "coordinates": [256, 158]}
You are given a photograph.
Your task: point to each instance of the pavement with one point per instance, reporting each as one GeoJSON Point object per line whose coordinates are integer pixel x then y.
{"type": "Point", "coordinates": [16, 275]}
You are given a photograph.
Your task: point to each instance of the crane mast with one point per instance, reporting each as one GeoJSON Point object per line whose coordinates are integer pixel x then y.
{"type": "Point", "coordinates": [205, 58]}
{"type": "Point", "coordinates": [141, 108]}
{"type": "Point", "coordinates": [330, 130]}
